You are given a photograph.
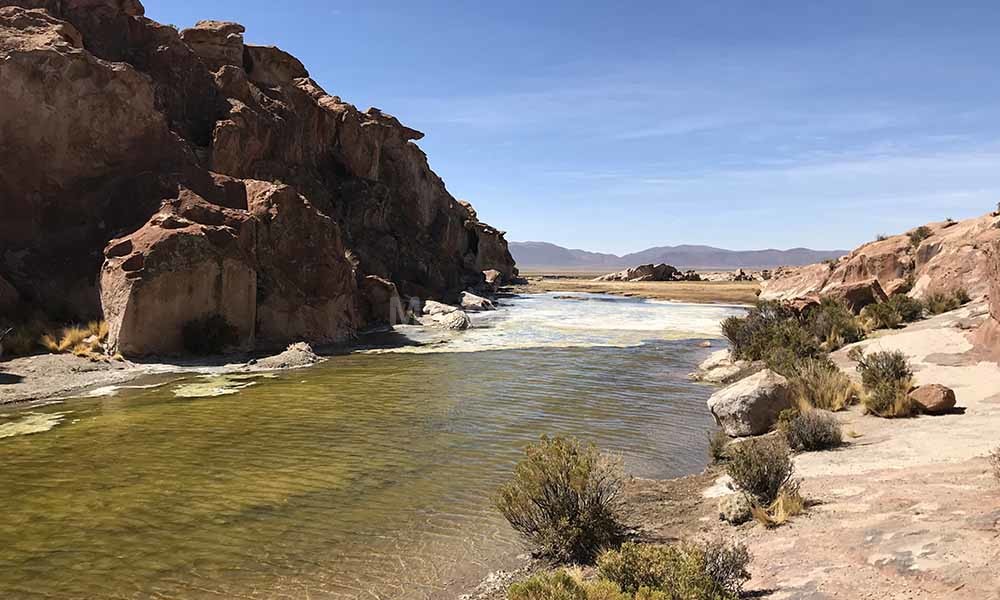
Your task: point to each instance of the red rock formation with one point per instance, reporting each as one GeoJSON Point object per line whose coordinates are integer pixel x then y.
{"type": "Point", "coordinates": [953, 256]}
{"type": "Point", "coordinates": [129, 130]}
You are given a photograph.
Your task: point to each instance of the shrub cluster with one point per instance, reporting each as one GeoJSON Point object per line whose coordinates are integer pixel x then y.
{"type": "Point", "coordinates": [810, 430]}
{"type": "Point", "coordinates": [887, 379]}
{"type": "Point", "coordinates": [891, 314]}
{"type": "Point", "coordinates": [718, 443]}
{"type": "Point", "coordinates": [715, 571]}
{"type": "Point", "coordinates": [760, 468]}
{"type": "Point", "coordinates": [565, 500]}
{"type": "Point", "coordinates": [833, 324]}
{"type": "Point", "coordinates": [211, 334]}
{"type": "Point", "coordinates": [941, 302]}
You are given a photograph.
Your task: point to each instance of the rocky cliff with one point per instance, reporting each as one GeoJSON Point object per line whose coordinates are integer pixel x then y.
{"type": "Point", "coordinates": [158, 176]}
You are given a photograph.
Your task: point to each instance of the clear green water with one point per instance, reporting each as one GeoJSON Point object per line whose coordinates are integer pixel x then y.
{"type": "Point", "coordinates": [368, 476]}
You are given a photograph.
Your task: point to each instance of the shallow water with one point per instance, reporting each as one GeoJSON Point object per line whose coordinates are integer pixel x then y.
{"type": "Point", "coordinates": [368, 476]}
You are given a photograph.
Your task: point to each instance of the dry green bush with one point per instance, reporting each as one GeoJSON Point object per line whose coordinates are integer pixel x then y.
{"type": "Point", "coordinates": [887, 379]}
{"type": "Point", "coordinates": [942, 302]}
{"type": "Point", "coordinates": [919, 234]}
{"type": "Point", "coordinates": [770, 332]}
{"type": "Point", "coordinates": [811, 430]}
{"type": "Point", "coordinates": [715, 571]}
{"type": "Point", "coordinates": [995, 461]}
{"type": "Point", "coordinates": [893, 313]}
{"type": "Point", "coordinates": [833, 324]}
{"type": "Point", "coordinates": [883, 367]}
{"type": "Point", "coordinates": [565, 500]}
{"type": "Point", "coordinates": [820, 384]}
{"type": "Point", "coordinates": [760, 468]}
{"type": "Point", "coordinates": [890, 400]}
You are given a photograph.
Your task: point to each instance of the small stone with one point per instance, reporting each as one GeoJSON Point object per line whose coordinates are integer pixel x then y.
{"type": "Point", "coordinates": [934, 399]}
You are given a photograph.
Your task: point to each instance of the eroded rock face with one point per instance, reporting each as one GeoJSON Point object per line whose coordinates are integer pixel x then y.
{"type": "Point", "coordinates": [661, 272]}
{"type": "Point", "coordinates": [751, 406]}
{"type": "Point", "coordinates": [955, 255]}
{"type": "Point", "coordinates": [191, 260]}
{"type": "Point", "coordinates": [134, 139]}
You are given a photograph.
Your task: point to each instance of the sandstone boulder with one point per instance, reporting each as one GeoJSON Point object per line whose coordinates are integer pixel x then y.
{"type": "Point", "coordinates": [934, 399]}
{"type": "Point", "coordinates": [457, 320]}
{"type": "Point", "coordinates": [175, 270]}
{"type": "Point", "coordinates": [379, 301]}
{"type": "Point", "coordinates": [306, 288]}
{"type": "Point", "coordinates": [472, 302]}
{"type": "Point", "coordinates": [751, 406]}
{"type": "Point", "coordinates": [856, 295]}
{"type": "Point", "coordinates": [661, 272]}
{"type": "Point", "coordinates": [295, 356]}
{"type": "Point", "coordinates": [218, 43]}
{"type": "Point", "coordinates": [433, 308]}
{"type": "Point", "coordinates": [720, 368]}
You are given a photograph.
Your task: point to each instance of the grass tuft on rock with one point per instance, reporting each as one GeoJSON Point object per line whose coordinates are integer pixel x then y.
{"type": "Point", "coordinates": [893, 313]}
{"type": "Point", "coordinates": [565, 500]}
{"type": "Point", "coordinates": [918, 235]}
{"type": "Point", "coordinates": [942, 302]}
{"type": "Point", "coordinates": [995, 461]}
{"type": "Point", "coordinates": [820, 384]}
{"type": "Point", "coordinates": [788, 504]}
{"type": "Point", "coordinates": [833, 324]}
{"type": "Point", "coordinates": [887, 379]}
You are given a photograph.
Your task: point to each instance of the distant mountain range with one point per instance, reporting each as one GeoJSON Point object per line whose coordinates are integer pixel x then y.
{"type": "Point", "coordinates": [536, 255]}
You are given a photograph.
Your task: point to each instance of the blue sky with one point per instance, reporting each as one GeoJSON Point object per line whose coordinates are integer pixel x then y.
{"type": "Point", "coordinates": [618, 126]}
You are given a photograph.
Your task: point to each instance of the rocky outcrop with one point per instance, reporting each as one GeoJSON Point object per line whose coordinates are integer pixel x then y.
{"type": "Point", "coordinates": [470, 301]}
{"type": "Point", "coordinates": [952, 255]}
{"type": "Point", "coordinates": [751, 406]}
{"type": "Point", "coordinates": [934, 398]}
{"type": "Point", "coordinates": [659, 272]}
{"type": "Point", "coordinates": [720, 367]}
{"type": "Point", "coordinates": [161, 175]}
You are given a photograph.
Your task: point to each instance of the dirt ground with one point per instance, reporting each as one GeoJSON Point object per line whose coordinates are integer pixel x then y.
{"type": "Point", "coordinates": [724, 292]}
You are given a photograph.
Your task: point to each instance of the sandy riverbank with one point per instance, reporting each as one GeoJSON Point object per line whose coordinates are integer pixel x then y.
{"type": "Point", "coordinates": [907, 509]}
{"type": "Point", "coordinates": [721, 292]}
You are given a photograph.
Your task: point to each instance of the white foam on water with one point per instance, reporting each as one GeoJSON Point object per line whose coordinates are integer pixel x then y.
{"type": "Point", "coordinates": [577, 321]}
{"type": "Point", "coordinates": [112, 390]}
{"type": "Point", "coordinates": [209, 386]}
{"type": "Point", "coordinates": [31, 423]}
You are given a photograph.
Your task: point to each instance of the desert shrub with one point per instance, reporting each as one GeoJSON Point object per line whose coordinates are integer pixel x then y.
{"type": "Point", "coordinates": [548, 586]}
{"type": "Point", "coordinates": [86, 341]}
{"type": "Point", "coordinates": [918, 235]}
{"type": "Point", "coordinates": [995, 461]}
{"type": "Point", "coordinates": [833, 324]}
{"type": "Point", "coordinates": [718, 442]}
{"type": "Point", "coordinates": [881, 237]}
{"type": "Point", "coordinates": [890, 400]}
{"type": "Point", "coordinates": [942, 302]}
{"type": "Point", "coordinates": [760, 468]}
{"type": "Point", "coordinates": [564, 499]}
{"type": "Point", "coordinates": [773, 334]}
{"type": "Point", "coordinates": [820, 384]}
{"type": "Point", "coordinates": [811, 430]}
{"type": "Point", "coordinates": [883, 367]}
{"type": "Point", "coordinates": [211, 334]}
{"type": "Point", "coordinates": [713, 572]}
{"type": "Point", "coordinates": [891, 314]}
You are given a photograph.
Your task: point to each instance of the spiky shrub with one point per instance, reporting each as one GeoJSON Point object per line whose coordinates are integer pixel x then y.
{"type": "Point", "coordinates": [812, 430]}
{"type": "Point", "coordinates": [942, 302]}
{"type": "Point", "coordinates": [887, 378]}
{"type": "Point", "coordinates": [788, 504]}
{"type": "Point", "coordinates": [833, 324]}
{"type": "Point", "coordinates": [820, 384]}
{"type": "Point", "coordinates": [918, 235]}
{"type": "Point", "coordinates": [548, 586]}
{"type": "Point", "coordinates": [211, 334]}
{"type": "Point", "coordinates": [881, 316]}
{"type": "Point", "coordinates": [683, 572]}
{"type": "Point", "coordinates": [718, 442]}
{"type": "Point", "coordinates": [760, 468]}
{"type": "Point", "coordinates": [565, 500]}
{"type": "Point", "coordinates": [995, 461]}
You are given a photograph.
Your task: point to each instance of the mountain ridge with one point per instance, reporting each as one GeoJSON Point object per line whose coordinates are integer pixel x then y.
{"type": "Point", "coordinates": [534, 254]}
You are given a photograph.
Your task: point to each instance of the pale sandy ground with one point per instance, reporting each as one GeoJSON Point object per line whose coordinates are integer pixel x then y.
{"type": "Point", "coordinates": [910, 508]}
{"type": "Point", "coordinates": [724, 292]}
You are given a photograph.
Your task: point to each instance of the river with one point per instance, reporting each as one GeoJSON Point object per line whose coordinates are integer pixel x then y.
{"type": "Point", "coordinates": [368, 476]}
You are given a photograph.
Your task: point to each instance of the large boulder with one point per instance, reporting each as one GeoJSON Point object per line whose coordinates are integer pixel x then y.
{"type": "Point", "coordinates": [472, 302]}
{"type": "Point", "coordinates": [661, 272]}
{"type": "Point", "coordinates": [751, 406]}
{"type": "Point", "coordinates": [856, 295]}
{"type": "Point", "coordinates": [306, 289]}
{"type": "Point", "coordinates": [379, 301]}
{"type": "Point", "coordinates": [934, 399]}
{"type": "Point", "coordinates": [191, 260]}
{"type": "Point", "coordinates": [721, 368]}
{"type": "Point", "coordinates": [218, 43]}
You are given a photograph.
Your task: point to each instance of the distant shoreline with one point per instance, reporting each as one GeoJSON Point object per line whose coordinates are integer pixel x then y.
{"type": "Point", "coordinates": [699, 292]}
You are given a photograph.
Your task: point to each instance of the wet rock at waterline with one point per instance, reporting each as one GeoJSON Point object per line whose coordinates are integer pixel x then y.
{"type": "Point", "coordinates": [457, 320]}
{"type": "Point", "coordinates": [472, 302]}
{"type": "Point", "coordinates": [751, 406]}
{"type": "Point", "coordinates": [720, 367]}
{"type": "Point", "coordinates": [295, 356]}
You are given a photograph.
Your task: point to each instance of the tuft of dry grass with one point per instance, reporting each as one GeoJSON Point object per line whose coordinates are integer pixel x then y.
{"type": "Point", "coordinates": [995, 461]}
{"type": "Point", "coordinates": [820, 384]}
{"type": "Point", "coordinates": [788, 504]}
{"type": "Point", "coordinates": [84, 341]}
